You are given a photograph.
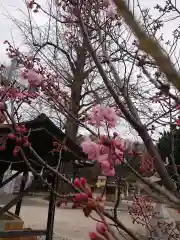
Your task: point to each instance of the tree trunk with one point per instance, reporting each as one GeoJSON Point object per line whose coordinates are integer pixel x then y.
{"type": "Point", "coordinates": [71, 128]}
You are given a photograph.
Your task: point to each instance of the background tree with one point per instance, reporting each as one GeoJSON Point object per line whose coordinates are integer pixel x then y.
{"type": "Point", "coordinates": [165, 145]}
{"type": "Point", "coordinates": [168, 146]}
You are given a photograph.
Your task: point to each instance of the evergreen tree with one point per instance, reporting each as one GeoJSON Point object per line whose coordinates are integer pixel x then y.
{"type": "Point", "coordinates": [169, 145]}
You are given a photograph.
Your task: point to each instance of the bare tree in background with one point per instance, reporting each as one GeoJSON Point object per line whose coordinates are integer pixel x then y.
{"type": "Point", "coordinates": [133, 72]}
{"type": "Point", "coordinates": [134, 76]}
{"type": "Point", "coordinates": [64, 52]}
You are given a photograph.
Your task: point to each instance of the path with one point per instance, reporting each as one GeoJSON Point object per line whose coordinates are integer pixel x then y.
{"type": "Point", "coordinates": [69, 223]}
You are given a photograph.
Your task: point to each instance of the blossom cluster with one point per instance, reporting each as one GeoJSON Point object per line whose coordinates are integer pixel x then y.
{"type": "Point", "coordinates": [108, 152]}
{"type": "Point", "coordinates": [57, 147]}
{"type": "Point", "coordinates": [101, 115]}
{"type": "Point", "coordinates": [34, 78]}
{"type": "Point", "coordinates": [89, 203]}
{"type": "Point", "coordinates": [17, 95]}
{"type": "Point", "coordinates": [101, 232]}
{"type": "Point", "coordinates": [32, 74]}
{"type": "Point", "coordinates": [38, 77]}
{"type": "Point", "coordinates": [142, 210]}
{"type": "Point", "coordinates": [19, 136]}
{"type": "Point", "coordinates": [146, 164]}
{"type": "Point", "coordinates": [84, 198]}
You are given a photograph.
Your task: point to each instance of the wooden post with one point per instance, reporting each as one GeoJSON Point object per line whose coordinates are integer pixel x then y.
{"type": "Point", "coordinates": [22, 186]}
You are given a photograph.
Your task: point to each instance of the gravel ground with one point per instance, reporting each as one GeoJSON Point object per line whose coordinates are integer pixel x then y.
{"type": "Point", "coordinates": [70, 224]}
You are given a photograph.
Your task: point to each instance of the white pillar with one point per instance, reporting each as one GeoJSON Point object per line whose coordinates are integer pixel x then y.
{"type": "Point", "coordinates": [122, 195]}
{"type": "Point", "coordinates": [127, 189]}
{"type": "Point", "coordinates": [138, 191]}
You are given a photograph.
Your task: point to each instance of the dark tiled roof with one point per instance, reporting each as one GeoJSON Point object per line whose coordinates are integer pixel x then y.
{"type": "Point", "coordinates": [43, 132]}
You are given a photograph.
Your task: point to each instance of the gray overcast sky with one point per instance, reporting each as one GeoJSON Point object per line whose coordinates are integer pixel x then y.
{"type": "Point", "coordinates": [6, 27]}
{"type": "Point", "coordinates": [9, 31]}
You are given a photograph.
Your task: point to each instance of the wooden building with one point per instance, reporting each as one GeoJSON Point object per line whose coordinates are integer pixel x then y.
{"type": "Point", "coordinates": [42, 133]}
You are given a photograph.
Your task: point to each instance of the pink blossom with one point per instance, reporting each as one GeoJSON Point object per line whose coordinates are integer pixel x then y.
{"type": "Point", "coordinates": [16, 150]}
{"type": "Point", "coordinates": [107, 151]}
{"type": "Point", "coordinates": [102, 139]}
{"type": "Point", "coordinates": [92, 235]}
{"type": "Point", "coordinates": [90, 148]}
{"type": "Point", "coordinates": [101, 228]}
{"type": "Point", "coordinates": [95, 236]}
{"type": "Point", "coordinates": [2, 147]}
{"type": "Point", "coordinates": [117, 161]}
{"type": "Point", "coordinates": [107, 168]}
{"type": "Point", "coordinates": [11, 136]}
{"type": "Point", "coordinates": [97, 116]}
{"type": "Point", "coordinates": [110, 116]}
{"type": "Point", "coordinates": [77, 182]}
{"type": "Point", "coordinates": [81, 197]}
{"type": "Point", "coordinates": [83, 181]}
{"type": "Point", "coordinates": [102, 115]}
{"type": "Point", "coordinates": [118, 154]}
{"type": "Point", "coordinates": [105, 165]}
{"type": "Point", "coordinates": [178, 122]}
{"type": "Point", "coordinates": [34, 78]}
{"type": "Point", "coordinates": [119, 144]}
{"type": "Point", "coordinates": [108, 172]}
{"type": "Point", "coordinates": [103, 158]}
{"type": "Point", "coordinates": [103, 149]}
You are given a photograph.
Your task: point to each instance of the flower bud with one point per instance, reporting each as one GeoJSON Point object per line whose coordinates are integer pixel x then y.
{"type": "Point", "coordinates": [115, 134]}
{"type": "Point", "coordinates": [24, 130]}
{"type": "Point", "coordinates": [18, 129]}
{"type": "Point", "coordinates": [30, 4]}
{"type": "Point", "coordinates": [11, 136]}
{"type": "Point", "coordinates": [19, 140]}
{"type": "Point", "coordinates": [83, 181]}
{"type": "Point", "coordinates": [93, 235]}
{"type": "Point", "coordinates": [77, 182]}
{"type": "Point", "coordinates": [2, 147]}
{"type": "Point", "coordinates": [101, 228]}
{"type": "Point", "coordinates": [16, 151]}
{"type": "Point", "coordinates": [81, 197]}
